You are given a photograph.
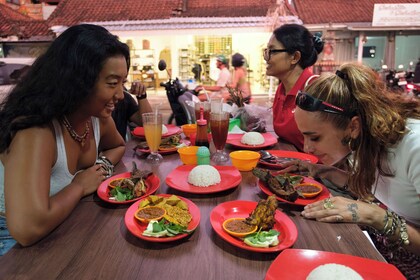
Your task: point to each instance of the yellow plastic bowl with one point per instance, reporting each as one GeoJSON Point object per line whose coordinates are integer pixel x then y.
{"type": "Point", "coordinates": [188, 129]}
{"type": "Point", "coordinates": [244, 160]}
{"type": "Point", "coordinates": [228, 228]}
{"type": "Point", "coordinates": [188, 155]}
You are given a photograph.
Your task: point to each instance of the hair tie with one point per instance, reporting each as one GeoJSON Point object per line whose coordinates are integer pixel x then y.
{"type": "Point", "coordinates": [317, 38]}
{"type": "Point", "coordinates": [342, 75]}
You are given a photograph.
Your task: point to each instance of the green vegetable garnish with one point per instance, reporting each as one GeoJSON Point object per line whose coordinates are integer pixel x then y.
{"type": "Point", "coordinates": [262, 238]}
{"type": "Point", "coordinates": [121, 194]}
{"type": "Point", "coordinates": [165, 228]}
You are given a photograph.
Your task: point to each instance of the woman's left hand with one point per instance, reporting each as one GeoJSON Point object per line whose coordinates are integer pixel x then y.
{"type": "Point", "coordinates": [337, 209]}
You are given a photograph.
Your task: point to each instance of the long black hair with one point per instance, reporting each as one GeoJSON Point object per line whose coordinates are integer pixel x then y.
{"type": "Point", "coordinates": [59, 80]}
{"type": "Point", "coordinates": [295, 37]}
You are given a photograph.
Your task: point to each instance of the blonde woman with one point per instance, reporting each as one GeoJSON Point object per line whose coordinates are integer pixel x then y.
{"type": "Point", "coordinates": [350, 114]}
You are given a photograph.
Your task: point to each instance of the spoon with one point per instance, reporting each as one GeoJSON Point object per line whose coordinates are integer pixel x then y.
{"type": "Point", "coordinates": [266, 156]}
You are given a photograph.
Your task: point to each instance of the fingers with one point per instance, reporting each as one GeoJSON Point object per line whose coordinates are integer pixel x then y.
{"type": "Point", "coordinates": [101, 172]}
{"type": "Point", "coordinates": [323, 211]}
{"type": "Point", "coordinates": [137, 88]}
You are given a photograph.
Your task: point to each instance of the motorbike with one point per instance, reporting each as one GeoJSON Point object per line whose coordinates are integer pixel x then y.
{"type": "Point", "coordinates": [178, 96]}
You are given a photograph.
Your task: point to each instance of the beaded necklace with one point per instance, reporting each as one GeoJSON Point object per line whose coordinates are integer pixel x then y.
{"type": "Point", "coordinates": [78, 138]}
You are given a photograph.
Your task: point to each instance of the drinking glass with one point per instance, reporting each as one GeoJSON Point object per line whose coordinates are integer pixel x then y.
{"type": "Point", "coordinates": [206, 114]}
{"type": "Point", "coordinates": [219, 124]}
{"type": "Point", "coordinates": [152, 123]}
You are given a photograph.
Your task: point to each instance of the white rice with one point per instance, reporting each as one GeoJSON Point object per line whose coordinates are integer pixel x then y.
{"type": "Point", "coordinates": [252, 138]}
{"type": "Point", "coordinates": [204, 176]}
{"type": "Point", "coordinates": [164, 129]}
{"type": "Point", "coordinates": [333, 271]}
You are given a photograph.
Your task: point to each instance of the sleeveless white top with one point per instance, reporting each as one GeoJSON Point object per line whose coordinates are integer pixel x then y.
{"type": "Point", "coordinates": [60, 174]}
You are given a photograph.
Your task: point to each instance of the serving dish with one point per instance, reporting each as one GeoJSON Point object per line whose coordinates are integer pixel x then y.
{"type": "Point", "coordinates": [298, 263]}
{"type": "Point", "coordinates": [152, 184]}
{"type": "Point", "coordinates": [137, 228]}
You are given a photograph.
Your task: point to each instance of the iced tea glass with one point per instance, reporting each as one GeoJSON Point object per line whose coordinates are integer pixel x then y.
{"type": "Point", "coordinates": [219, 124]}
{"type": "Point", "coordinates": [152, 124]}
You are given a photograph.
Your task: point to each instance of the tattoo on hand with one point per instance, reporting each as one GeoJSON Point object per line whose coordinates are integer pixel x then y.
{"type": "Point", "coordinates": [352, 208]}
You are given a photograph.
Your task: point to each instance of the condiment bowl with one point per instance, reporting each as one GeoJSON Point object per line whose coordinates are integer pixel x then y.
{"type": "Point", "coordinates": [188, 129]}
{"type": "Point", "coordinates": [244, 160]}
{"type": "Point", "coordinates": [149, 213]}
{"type": "Point", "coordinates": [114, 183]}
{"type": "Point", "coordinates": [188, 155]}
{"type": "Point", "coordinates": [309, 190]}
{"type": "Point", "coordinates": [238, 228]}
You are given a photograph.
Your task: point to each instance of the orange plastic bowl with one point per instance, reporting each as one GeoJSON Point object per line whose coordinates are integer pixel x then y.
{"type": "Point", "coordinates": [236, 227]}
{"type": "Point", "coordinates": [188, 155]}
{"type": "Point", "coordinates": [244, 160]}
{"type": "Point", "coordinates": [149, 213]}
{"type": "Point", "coordinates": [114, 183]}
{"type": "Point", "coordinates": [188, 129]}
{"type": "Point", "coordinates": [309, 190]}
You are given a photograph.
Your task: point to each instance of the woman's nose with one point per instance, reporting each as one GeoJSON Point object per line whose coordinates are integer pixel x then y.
{"type": "Point", "coordinates": [307, 147]}
{"type": "Point", "coordinates": [120, 93]}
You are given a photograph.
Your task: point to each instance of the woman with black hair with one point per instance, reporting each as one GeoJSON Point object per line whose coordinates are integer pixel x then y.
{"type": "Point", "coordinates": [240, 77]}
{"type": "Point", "coordinates": [291, 50]}
{"type": "Point", "coordinates": [54, 124]}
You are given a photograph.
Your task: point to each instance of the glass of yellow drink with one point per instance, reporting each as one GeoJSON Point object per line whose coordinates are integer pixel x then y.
{"type": "Point", "coordinates": [152, 124]}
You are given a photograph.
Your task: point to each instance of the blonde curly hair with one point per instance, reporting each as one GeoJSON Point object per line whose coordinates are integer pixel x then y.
{"type": "Point", "coordinates": [357, 88]}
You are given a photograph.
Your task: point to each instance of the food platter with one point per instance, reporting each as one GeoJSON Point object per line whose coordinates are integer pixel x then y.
{"type": "Point", "coordinates": [284, 156]}
{"type": "Point", "coordinates": [166, 151]}
{"type": "Point", "coordinates": [178, 179]}
{"type": "Point", "coordinates": [325, 193]}
{"type": "Point", "coordinates": [172, 130]}
{"type": "Point", "coordinates": [137, 228]}
{"type": "Point", "coordinates": [152, 184]}
{"type": "Point", "coordinates": [240, 208]}
{"type": "Point", "coordinates": [235, 140]}
{"type": "Point", "coordinates": [298, 263]}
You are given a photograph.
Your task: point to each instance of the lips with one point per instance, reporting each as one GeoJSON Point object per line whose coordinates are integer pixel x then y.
{"type": "Point", "coordinates": [110, 107]}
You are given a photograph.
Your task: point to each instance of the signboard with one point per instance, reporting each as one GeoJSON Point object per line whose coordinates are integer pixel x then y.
{"type": "Point", "coordinates": [396, 15]}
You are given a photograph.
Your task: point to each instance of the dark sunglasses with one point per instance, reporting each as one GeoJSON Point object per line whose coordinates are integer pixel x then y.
{"type": "Point", "coordinates": [309, 103]}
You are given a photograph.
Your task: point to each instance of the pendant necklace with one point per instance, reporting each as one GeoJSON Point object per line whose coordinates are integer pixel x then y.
{"type": "Point", "coordinates": [78, 138]}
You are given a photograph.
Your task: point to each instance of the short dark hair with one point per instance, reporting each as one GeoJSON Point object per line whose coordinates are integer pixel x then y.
{"type": "Point", "coordinates": [59, 80]}
{"type": "Point", "coordinates": [238, 60]}
{"type": "Point", "coordinates": [295, 37]}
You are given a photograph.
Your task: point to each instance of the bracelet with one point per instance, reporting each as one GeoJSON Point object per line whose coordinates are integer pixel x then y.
{"type": "Point", "coordinates": [393, 223]}
{"type": "Point", "coordinates": [143, 96]}
{"type": "Point", "coordinates": [404, 233]}
{"type": "Point", "coordinates": [107, 165]}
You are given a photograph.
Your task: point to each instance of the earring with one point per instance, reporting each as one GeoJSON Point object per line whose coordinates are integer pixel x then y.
{"type": "Point", "coordinates": [348, 141]}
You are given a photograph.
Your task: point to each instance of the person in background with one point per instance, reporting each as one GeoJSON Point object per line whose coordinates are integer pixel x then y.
{"type": "Point", "coordinates": [240, 80]}
{"type": "Point", "coordinates": [49, 148]}
{"type": "Point", "coordinates": [416, 78]}
{"type": "Point", "coordinates": [290, 52]}
{"type": "Point", "coordinates": [352, 115]}
{"type": "Point", "coordinates": [128, 111]}
{"type": "Point", "coordinates": [218, 90]}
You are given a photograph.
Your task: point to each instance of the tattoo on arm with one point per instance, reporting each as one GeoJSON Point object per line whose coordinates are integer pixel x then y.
{"type": "Point", "coordinates": [352, 208]}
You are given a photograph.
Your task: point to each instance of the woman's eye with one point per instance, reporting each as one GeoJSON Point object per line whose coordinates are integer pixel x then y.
{"type": "Point", "coordinates": [315, 139]}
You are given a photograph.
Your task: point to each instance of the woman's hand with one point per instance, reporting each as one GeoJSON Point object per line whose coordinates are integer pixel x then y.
{"type": "Point", "coordinates": [341, 209]}
{"type": "Point", "coordinates": [89, 179]}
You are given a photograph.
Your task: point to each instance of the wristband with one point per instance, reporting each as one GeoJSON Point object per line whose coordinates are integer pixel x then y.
{"type": "Point", "coordinates": [106, 165]}
{"type": "Point", "coordinates": [143, 96]}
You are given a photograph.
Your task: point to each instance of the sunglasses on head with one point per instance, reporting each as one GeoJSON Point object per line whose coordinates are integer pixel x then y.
{"type": "Point", "coordinates": [309, 103]}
